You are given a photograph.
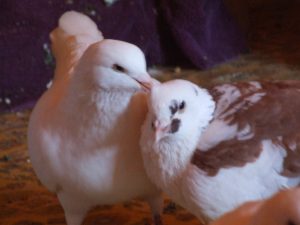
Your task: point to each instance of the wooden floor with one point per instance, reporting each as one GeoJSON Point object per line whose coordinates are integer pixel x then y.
{"type": "Point", "coordinates": [275, 44]}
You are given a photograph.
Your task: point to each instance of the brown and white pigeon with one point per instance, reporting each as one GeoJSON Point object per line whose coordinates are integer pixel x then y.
{"type": "Point", "coordinates": [84, 132]}
{"type": "Point", "coordinates": [281, 209]}
{"type": "Point", "coordinates": [212, 150]}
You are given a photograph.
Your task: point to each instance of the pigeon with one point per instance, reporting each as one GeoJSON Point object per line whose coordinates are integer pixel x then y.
{"type": "Point", "coordinates": [83, 133]}
{"type": "Point", "coordinates": [281, 209]}
{"type": "Point", "coordinates": [213, 149]}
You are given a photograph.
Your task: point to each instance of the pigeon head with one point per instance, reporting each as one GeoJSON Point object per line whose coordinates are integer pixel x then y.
{"type": "Point", "coordinates": [177, 107]}
{"type": "Point", "coordinates": [115, 65]}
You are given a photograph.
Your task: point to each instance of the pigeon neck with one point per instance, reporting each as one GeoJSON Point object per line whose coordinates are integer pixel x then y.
{"type": "Point", "coordinates": [68, 57]}
{"type": "Point", "coordinates": [197, 121]}
{"type": "Point", "coordinates": [110, 101]}
{"type": "Point", "coordinates": [206, 110]}
{"type": "Point", "coordinates": [181, 146]}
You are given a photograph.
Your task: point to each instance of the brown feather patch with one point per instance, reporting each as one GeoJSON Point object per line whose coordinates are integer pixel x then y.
{"type": "Point", "coordinates": [274, 113]}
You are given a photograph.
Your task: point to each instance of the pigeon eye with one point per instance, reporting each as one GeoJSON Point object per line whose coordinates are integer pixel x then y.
{"type": "Point", "coordinates": [173, 107]}
{"type": "Point", "coordinates": [118, 68]}
{"type": "Point", "coordinates": [182, 105]}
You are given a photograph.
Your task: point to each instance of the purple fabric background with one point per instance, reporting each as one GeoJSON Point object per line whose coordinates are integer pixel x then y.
{"type": "Point", "coordinates": [189, 33]}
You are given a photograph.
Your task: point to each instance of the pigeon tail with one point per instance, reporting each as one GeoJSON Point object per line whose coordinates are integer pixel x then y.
{"type": "Point", "coordinates": [74, 34]}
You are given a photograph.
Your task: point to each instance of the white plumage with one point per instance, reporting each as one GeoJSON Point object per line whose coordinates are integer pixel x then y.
{"type": "Point", "coordinates": [212, 150]}
{"type": "Point", "coordinates": [83, 134]}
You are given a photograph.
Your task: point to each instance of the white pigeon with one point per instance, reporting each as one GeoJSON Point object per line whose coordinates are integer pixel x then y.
{"type": "Point", "coordinates": [281, 209]}
{"type": "Point", "coordinates": [212, 150]}
{"type": "Point", "coordinates": [84, 132]}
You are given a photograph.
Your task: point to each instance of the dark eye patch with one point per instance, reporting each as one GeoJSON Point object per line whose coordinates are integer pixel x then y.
{"type": "Point", "coordinates": [182, 105]}
{"type": "Point", "coordinates": [173, 107]}
{"type": "Point", "coordinates": [119, 68]}
{"type": "Point", "coordinates": [175, 125]}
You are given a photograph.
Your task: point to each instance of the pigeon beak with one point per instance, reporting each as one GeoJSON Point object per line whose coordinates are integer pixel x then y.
{"type": "Point", "coordinates": [146, 86]}
{"type": "Point", "coordinates": [147, 83]}
{"type": "Point", "coordinates": [160, 130]}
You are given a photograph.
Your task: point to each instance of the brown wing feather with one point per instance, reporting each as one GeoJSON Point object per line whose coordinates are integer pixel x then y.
{"type": "Point", "coordinates": [276, 114]}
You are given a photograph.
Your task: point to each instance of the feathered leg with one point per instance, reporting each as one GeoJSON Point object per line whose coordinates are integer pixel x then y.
{"type": "Point", "coordinates": [156, 206]}
{"type": "Point", "coordinates": [74, 209]}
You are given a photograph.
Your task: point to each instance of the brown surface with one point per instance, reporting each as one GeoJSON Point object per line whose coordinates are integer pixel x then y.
{"type": "Point", "coordinates": [274, 34]}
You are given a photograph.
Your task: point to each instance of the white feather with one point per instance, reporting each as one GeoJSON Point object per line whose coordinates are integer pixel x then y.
{"type": "Point", "coordinates": [168, 159]}
{"type": "Point", "coordinates": [83, 134]}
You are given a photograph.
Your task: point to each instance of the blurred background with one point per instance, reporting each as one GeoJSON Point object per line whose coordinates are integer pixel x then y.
{"type": "Point", "coordinates": [197, 34]}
